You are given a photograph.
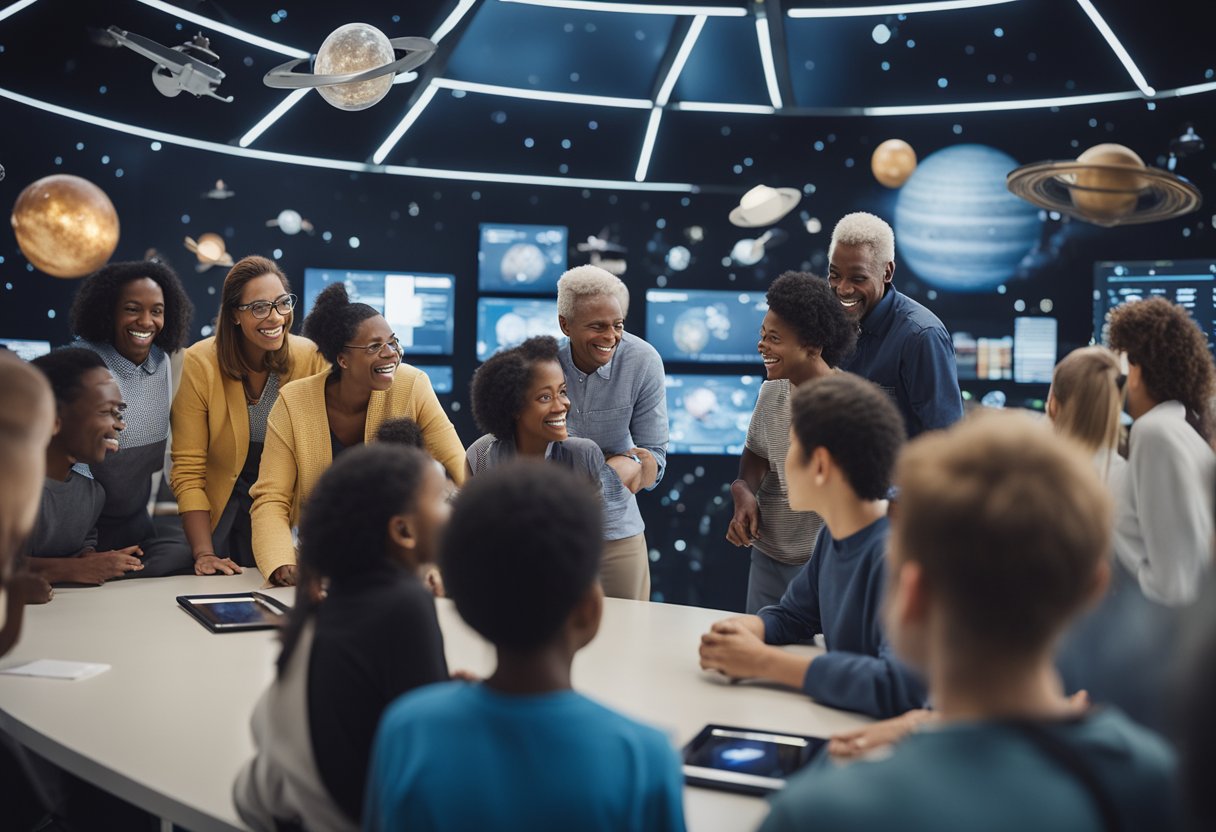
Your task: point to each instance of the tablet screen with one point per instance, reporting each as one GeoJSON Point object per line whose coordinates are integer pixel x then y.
{"type": "Point", "coordinates": [754, 753]}
{"type": "Point", "coordinates": [229, 612]}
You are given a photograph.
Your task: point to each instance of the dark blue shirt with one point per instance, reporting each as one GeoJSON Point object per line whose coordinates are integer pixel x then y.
{"type": "Point", "coordinates": [839, 593]}
{"type": "Point", "coordinates": [905, 350]}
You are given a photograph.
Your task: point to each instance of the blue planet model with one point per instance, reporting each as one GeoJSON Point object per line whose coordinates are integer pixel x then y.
{"type": "Point", "coordinates": [956, 225]}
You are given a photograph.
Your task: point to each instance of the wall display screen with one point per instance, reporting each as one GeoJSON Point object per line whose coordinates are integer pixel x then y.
{"type": "Point", "coordinates": [524, 259]}
{"type": "Point", "coordinates": [419, 307]}
{"type": "Point", "coordinates": [27, 350]}
{"type": "Point", "coordinates": [441, 377]}
{"type": "Point", "coordinates": [503, 323]}
{"type": "Point", "coordinates": [709, 414]}
{"type": "Point", "coordinates": [1188, 283]}
{"type": "Point", "coordinates": [705, 326]}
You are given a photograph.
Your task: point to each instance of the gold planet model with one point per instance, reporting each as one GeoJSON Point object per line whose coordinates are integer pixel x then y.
{"type": "Point", "coordinates": [66, 226]}
{"type": "Point", "coordinates": [893, 162]}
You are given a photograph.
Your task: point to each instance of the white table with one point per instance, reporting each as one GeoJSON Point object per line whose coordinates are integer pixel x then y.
{"type": "Point", "coordinates": [168, 727]}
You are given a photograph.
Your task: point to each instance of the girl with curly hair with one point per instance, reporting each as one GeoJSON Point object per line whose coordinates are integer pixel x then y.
{"type": "Point", "coordinates": [134, 315]}
{"type": "Point", "coordinates": [519, 399]}
{"type": "Point", "coordinates": [803, 336]}
{"type": "Point", "coordinates": [1163, 534]}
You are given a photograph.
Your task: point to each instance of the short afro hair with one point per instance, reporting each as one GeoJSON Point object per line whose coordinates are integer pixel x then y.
{"type": "Point", "coordinates": [401, 431]}
{"type": "Point", "coordinates": [64, 368]}
{"type": "Point", "coordinates": [807, 303]}
{"type": "Point", "coordinates": [867, 230]}
{"type": "Point", "coordinates": [333, 320]}
{"type": "Point", "coordinates": [520, 551]}
{"type": "Point", "coordinates": [589, 282]}
{"type": "Point", "coordinates": [1170, 349]}
{"type": "Point", "coordinates": [499, 386]}
{"type": "Point", "coordinates": [96, 302]}
{"type": "Point", "coordinates": [858, 425]}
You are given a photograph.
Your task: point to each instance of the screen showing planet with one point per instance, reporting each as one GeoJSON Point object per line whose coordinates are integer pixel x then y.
{"type": "Point", "coordinates": [1188, 283]}
{"type": "Point", "coordinates": [709, 414]}
{"type": "Point", "coordinates": [705, 327]}
{"type": "Point", "coordinates": [419, 307]}
{"type": "Point", "coordinates": [503, 323]}
{"type": "Point", "coordinates": [523, 259]}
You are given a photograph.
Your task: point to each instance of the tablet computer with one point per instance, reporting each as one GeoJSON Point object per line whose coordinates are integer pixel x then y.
{"type": "Point", "coordinates": [235, 611]}
{"type": "Point", "coordinates": [745, 760]}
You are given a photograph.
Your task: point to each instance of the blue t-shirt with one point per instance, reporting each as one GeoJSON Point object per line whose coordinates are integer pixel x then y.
{"type": "Point", "coordinates": [459, 756]}
{"type": "Point", "coordinates": [905, 350]}
{"type": "Point", "coordinates": [839, 593]}
{"type": "Point", "coordinates": [989, 776]}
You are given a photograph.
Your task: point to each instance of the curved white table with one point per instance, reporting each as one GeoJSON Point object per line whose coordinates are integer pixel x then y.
{"type": "Point", "coordinates": [168, 726]}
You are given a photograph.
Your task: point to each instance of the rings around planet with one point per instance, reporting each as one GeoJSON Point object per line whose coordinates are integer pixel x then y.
{"type": "Point", "coordinates": [418, 51]}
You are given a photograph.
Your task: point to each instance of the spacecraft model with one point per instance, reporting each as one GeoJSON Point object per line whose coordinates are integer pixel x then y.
{"type": "Point", "coordinates": [189, 67]}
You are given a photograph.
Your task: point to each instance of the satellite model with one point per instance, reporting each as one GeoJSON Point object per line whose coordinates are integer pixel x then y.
{"type": "Point", "coordinates": [189, 67]}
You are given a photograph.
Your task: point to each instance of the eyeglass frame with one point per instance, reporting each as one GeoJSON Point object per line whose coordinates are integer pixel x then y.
{"type": "Point", "coordinates": [248, 307]}
{"type": "Point", "coordinates": [393, 342]}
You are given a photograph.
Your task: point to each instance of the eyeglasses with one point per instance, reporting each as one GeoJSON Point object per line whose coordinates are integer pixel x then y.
{"type": "Point", "coordinates": [261, 308]}
{"type": "Point", "coordinates": [376, 347]}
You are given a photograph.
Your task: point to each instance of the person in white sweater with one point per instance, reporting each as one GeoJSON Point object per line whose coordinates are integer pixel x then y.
{"type": "Point", "coordinates": [1163, 534]}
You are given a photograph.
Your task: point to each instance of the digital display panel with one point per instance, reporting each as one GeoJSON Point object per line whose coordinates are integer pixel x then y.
{"type": "Point", "coordinates": [1034, 349]}
{"type": "Point", "coordinates": [705, 326]}
{"type": "Point", "coordinates": [709, 414]}
{"type": "Point", "coordinates": [1188, 283]}
{"type": "Point", "coordinates": [419, 307]}
{"type": "Point", "coordinates": [26, 350]}
{"type": "Point", "coordinates": [503, 323]}
{"type": "Point", "coordinates": [524, 259]}
{"type": "Point", "coordinates": [441, 377]}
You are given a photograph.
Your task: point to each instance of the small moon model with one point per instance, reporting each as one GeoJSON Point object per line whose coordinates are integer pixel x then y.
{"type": "Point", "coordinates": [354, 70]}
{"type": "Point", "coordinates": [893, 162]}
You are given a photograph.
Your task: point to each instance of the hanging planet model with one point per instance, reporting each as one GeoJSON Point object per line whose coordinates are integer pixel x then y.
{"type": "Point", "coordinates": [354, 67]}
{"type": "Point", "coordinates": [893, 162]}
{"type": "Point", "coordinates": [65, 226]}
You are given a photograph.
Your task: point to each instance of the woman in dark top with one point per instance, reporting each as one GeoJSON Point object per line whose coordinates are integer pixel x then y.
{"type": "Point", "coordinates": [371, 521]}
{"type": "Point", "coordinates": [135, 315]}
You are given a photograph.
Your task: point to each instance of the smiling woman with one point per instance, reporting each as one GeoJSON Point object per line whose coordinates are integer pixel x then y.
{"type": "Point", "coordinates": [133, 315]}
{"type": "Point", "coordinates": [319, 417]}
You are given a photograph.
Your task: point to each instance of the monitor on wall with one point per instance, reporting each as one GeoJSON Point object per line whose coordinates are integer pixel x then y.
{"type": "Point", "coordinates": [440, 376]}
{"type": "Point", "coordinates": [523, 259]}
{"type": "Point", "coordinates": [25, 349]}
{"type": "Point", "coordinates": [507, 322]}
{"type": "Point", "coordinates": [1189, 283]}
{"type": "Point", "coordinates": [704, 326]}
{"type": "Point", "coordinates": [419, 307]}
{"type": "Point", "coordinates": [709, 414]}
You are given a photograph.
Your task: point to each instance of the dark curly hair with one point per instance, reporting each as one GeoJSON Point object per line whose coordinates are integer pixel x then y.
{"type": "Point", "coordinates": [64, 368]}
{"type": "Point", "coordinates": [97, 299]}
{"type": "Point", "coordinates": [807, 303]}
{"type": "Point", "coordinates": [401, 431]}
{"type": "Point", "coordinates": [856, 422]}
{"type": "Point", "coordinates": [1171, 351]}
{"type": "Point", "coordinates": [344, 530]}
{"type": "Point", "coordinates": [520, 551]}
{"type": "Point", "coordinates": [332, 321]}
{"type": "Point", "coordinates": [498, 387]}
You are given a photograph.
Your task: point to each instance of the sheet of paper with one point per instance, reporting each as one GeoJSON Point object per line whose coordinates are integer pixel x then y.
{"type": "Point", "coordinates": [57, 669]}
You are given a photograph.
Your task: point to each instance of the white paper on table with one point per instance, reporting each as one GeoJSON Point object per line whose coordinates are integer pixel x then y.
{"type": "Point", "coordinates": [57, 669]}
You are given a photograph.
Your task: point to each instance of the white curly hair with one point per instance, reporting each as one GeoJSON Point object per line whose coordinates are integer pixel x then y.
{"type": "Point", "coordinates": [862, 229]}
{"type": "Point", "coordinates": [585, 282]}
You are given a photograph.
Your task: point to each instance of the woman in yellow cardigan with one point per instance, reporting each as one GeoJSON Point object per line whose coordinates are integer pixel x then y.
{"type": "Point", "coordinates": [317, 418]}
{"type": "Point", "coordinates": [229, 384]}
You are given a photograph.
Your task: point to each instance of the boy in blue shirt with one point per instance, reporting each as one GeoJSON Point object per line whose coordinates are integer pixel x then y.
{"type": "Point", "coordinates": [999, 540]}
{"type": "Point", "coordinates": [844, 436]}
{"type": "Point", "coordinates": [522, 750]}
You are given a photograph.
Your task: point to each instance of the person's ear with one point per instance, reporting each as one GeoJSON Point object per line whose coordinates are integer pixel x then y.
{"type": "Point", "coordinates": [1053, 406]}
{"type": "Point", "coordinates": [401, 532]}
{"type": "Point", "coordinates": [821, 465]}
{"type": "Point", "coordinates": [564, 324]}
{"type": "Point", "coordinates": [889, 272]}
{"type": "Point", "coordinates": [584, 620]}
{"type": "Point", "coordinates": [58, 426]}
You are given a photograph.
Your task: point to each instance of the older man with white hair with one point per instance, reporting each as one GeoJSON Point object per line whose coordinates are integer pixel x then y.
{"type": "Point", "coordinates": [618, 400]}
{"type": "Point", "coordinates": [902, 346]}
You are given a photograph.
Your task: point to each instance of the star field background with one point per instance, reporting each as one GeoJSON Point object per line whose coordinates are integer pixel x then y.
{"type": "Point", "coordinates": [371, 220]}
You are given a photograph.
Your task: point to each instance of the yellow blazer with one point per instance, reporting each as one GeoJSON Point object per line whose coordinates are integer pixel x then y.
{"type": "Point", "coordinates": [298, 451]}
{"type": "Point", "coordinates": [211, 425]}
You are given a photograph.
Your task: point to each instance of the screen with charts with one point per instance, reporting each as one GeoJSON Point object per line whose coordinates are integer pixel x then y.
{"type": "Point", "coordinates": [441, 377]}
{"type": "Point", "coordinates": [983, 352]}
{"type": "Point", "coordinates": [419, 307]}
{"type": "Point", "coordinates": [27, 350]}
{"type": "Point", "coordinates": [710, 414]}
{"type": "Point", "coordinates": [507, 322]}
{"type": "Point", "coordinates": [705, 326]}
{"type": "Point", "coordinates": [1188, 283]}
{"type": "Point", "coordinates": [527, 259]}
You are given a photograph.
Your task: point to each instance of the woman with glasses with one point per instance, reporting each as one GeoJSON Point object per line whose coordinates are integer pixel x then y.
{"type": "Point", "coordinates": [317, 418]}
{"type": "Point", "coordinates": [229, 383]}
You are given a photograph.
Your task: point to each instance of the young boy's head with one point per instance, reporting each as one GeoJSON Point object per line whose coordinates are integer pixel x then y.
{"type": "Point", "coordinates": [401, 431]}
{"type": "Point", "coordinates": [88, 404]}
{"type": "Point", "coordinates": [844, 436]}
{"type": "Point", "coordinates": [999, 538]}
{"type": "Point", "coordinates": [521, 557]}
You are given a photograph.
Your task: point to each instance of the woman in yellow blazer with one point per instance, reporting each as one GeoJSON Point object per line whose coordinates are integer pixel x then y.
{"type": "Point", "coordinates": [317, 418]}
{"type": "Point", "coordinates": [229, 384]}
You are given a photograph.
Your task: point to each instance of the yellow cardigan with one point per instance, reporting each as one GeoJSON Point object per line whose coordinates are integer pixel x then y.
{"type": "Point", "coordinates": [211, 425]}
{"type": "Point", "coordinates": [298, 451]}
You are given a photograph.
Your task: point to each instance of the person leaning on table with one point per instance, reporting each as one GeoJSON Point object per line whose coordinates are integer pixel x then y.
{"type": "Point", "coordinates": [318, 417]}
{"type": "Point", "coordinates": [229, 384]}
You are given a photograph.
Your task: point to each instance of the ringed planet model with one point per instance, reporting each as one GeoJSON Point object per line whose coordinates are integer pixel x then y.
{"type": "Point", "coordinates": [354, 66]}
